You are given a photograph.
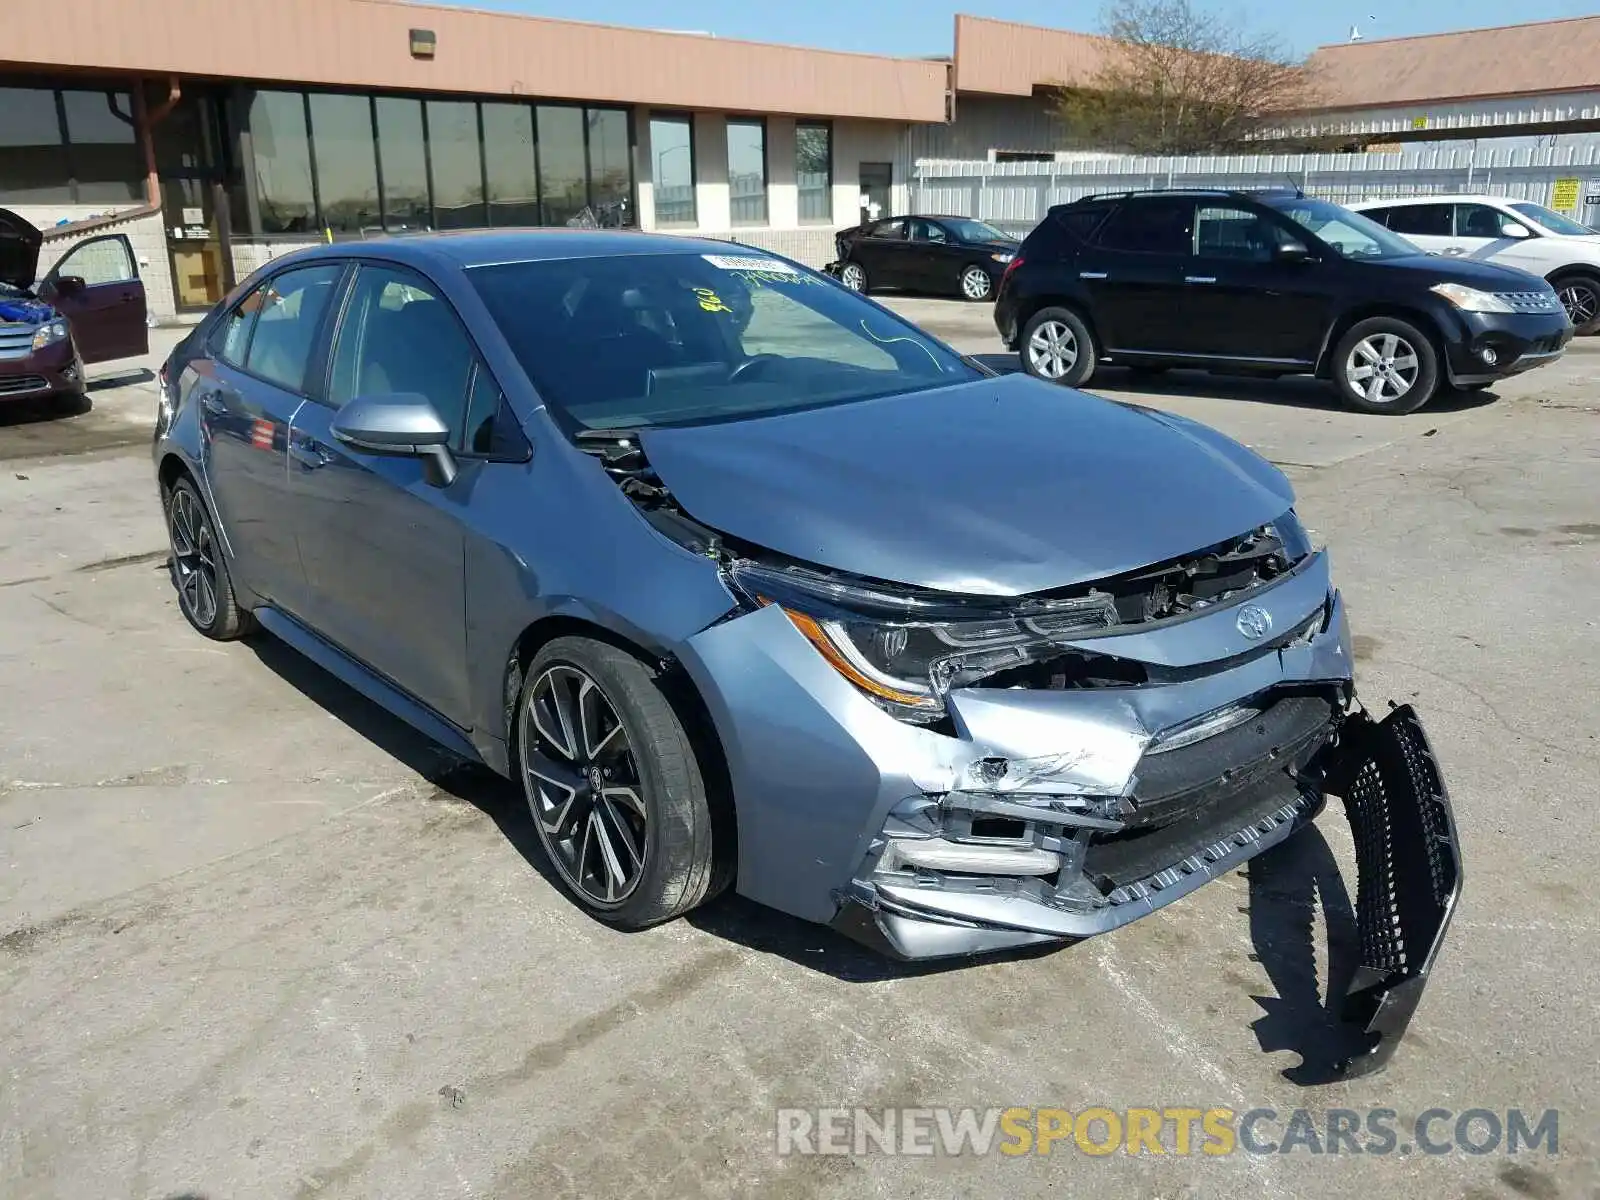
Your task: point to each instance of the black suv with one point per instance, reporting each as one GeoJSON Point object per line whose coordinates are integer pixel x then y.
{"type": "Point", "coordinates": [1267, 283]}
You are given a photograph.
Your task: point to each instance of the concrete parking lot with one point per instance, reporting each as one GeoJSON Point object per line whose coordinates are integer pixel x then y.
{"type": "Point", "coordinates": [258, 940]}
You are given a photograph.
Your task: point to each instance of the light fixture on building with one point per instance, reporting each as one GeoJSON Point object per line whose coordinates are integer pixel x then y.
{"type": "Point", "coordinates": [423, 43]}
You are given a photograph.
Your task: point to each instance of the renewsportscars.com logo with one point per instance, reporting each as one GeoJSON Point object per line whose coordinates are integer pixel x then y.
{"type": "Point", "coordinates": [1179, 1131]}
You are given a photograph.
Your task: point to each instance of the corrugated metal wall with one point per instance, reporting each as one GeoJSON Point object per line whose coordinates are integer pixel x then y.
{"type": "Point", "coordinates": [1015, 196]}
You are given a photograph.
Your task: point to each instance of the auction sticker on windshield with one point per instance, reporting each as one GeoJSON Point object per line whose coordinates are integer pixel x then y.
{"type": "Point", "coordinates": [751, 263]}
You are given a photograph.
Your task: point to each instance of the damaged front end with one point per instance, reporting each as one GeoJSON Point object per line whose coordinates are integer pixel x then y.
{"type": "Point", "coordinates": [941, 775]}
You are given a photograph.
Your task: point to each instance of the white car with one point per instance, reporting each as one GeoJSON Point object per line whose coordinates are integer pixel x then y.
{"type": "Point", "coordinates": [1509, 233]}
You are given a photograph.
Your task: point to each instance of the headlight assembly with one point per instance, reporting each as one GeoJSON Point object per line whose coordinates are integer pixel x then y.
{"type": "Point", "coordinates": [1471, 299]}
{"type": "Point", "coordinates": [906, 650]}
{"type": "Point", "coordinates": [49, 334]}
{"type": "Point", "coordinates": [1002, 257]}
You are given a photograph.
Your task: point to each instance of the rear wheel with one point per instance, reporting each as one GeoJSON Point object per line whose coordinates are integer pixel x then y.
{"type": "Point", "coordinates": [1057, 347]}
{"type": "Point", "coordinates": [975, 283]}
{"type": "Point", "coordinates": [1385, 365]}
{"type": "Point", "coordinates": [854, 276]}
{"type": "Point", "coordinates": [614, 786]}
{"type": "Point", "coordinates": [1580, 296]}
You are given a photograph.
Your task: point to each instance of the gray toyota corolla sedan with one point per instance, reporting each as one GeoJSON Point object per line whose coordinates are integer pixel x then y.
{"type": "Point", "coordinates": [748, 581]}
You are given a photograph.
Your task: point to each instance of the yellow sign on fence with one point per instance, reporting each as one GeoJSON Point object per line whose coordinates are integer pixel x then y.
{"type": "Point", "coordinates": [1564, 195]}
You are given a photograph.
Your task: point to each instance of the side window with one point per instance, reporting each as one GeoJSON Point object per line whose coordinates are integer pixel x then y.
{"type": "Point", "coordinates": [1479, 221]}
{"type": "Point", "coordinates": [398, 335]}
{"type": "Point", "coordinates": [928, 231]}
{"type": "Point", "coordinates": [894, 230]}
{"type": "Point", "coordinates": [1420, 220]}
{"type": "Point", "coordinates": [1150, 227]}
{"type": "Point", "coordinates": [492, 428]}
{"type": "Point", "coordinates": [289, 314]}
{"type": "Point", "coordinates": [1080, 220]}
{"type": "Point", "coordinates": [1226, 231]}
{"type": "Point", "coordinates": [231, 337]}
{"type": "Point", "coordinates": [99, 260]}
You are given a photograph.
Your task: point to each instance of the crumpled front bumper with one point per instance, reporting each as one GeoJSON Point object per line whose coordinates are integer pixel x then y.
{"type": "Point", "coordinates": [1112, 801]}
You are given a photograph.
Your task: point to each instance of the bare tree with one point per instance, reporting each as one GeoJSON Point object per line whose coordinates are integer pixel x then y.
{"type": "Point", "coordinates": [1175, 80]}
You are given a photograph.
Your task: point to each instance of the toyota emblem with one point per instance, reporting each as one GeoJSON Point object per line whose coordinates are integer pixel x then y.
{"type": "Point", "coordinates": [1254, 622]}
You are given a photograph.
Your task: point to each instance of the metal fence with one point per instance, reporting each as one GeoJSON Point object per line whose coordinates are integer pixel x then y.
{"type": "Point", "coordinates": [1015, 196]}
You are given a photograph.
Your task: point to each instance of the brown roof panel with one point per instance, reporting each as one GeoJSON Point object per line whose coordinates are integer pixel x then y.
{"type": "Point", "coordinates": [1007, 59]}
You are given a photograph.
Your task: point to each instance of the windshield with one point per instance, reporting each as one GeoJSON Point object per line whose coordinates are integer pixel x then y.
{"type": "Point", "coordinates": [667, 339]}
{"type": "Point", "coordinates": [1348, 233]}
{"type": "Point", "coordinates": [969, 230]}
{"type": "Point", "coordinates": [1553, 221]}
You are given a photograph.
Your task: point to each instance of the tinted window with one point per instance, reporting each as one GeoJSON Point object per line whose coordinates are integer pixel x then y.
{"type": "Point", "coordinates": [1226, 231]}
{"type": "Point", "coordinates": [928, 231]}
{"type": "Point", "coordinates": [967, 230]}
{"type": "Point", "coordinates": [895, 230]}
{"type": "Point", "coordinates": [404, 165]}
{"type": "Point", "coordinates": [1080, 220]}
{"type": "Point", "coordinates": [672, 159]}
{"type": "Point", "coordinates": [82, 152]}
{"type": "Point", "coordinates": [670, 338]}
{"type": "Point", "coordinates": [283, 162]}
{"type": "Point", "coordinates": [291, 309]}
{"type": "Point", "coordinates": [33, 153]}
{"type": "Point", "coordinates": [1150, 227]}
{"type": "Point", "coordinates": [347, 170]}
{"type": "Point", "coordinates": [105, 159]}
{"type": "Point", "coordinates": [508, 155]}
{"type": "Point", "coordinates": [813, 170]}
{"type": "Point", "coordinates": [561, 168]}
{"type": "Point", "coordinates": [610, 166]}
{"type": "Point", "coordinates": [492, 428]}
{"type": "Point", "coordinates": [1479, 221]}
{"type": "Point", "coordinates": [398, 335]}
{"type": "Point", "coordinates": [1417, 220]}
{"type": "Point", "coordinates": [456, 164]}
{"type": "Point", "coordinates": [747, 172]}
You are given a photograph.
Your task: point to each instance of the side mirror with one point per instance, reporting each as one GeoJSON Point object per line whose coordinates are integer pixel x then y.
{"type": "Point", "coordinates": [67, 285]}
{"type": "Point", "coordinates": [1513, 229]}
{"type": "Point", "coordinates": [1294, 252]}
{"type": "Point", "coordinates": [399, 425]}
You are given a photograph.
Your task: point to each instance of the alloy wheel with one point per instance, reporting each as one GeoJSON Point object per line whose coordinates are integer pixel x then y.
{"type": "Point", "coordinates": [853, 277]}
{"type": "Point", "coordinates": [1581, 299]}
{"type": "Point", "coordinates": [1052, 350]}
{"type": "Point", "coordinates": [194, 557]}
{"type": "Point", "coordinates": [1382, 368]}
{"type": "Point", "coordinates": [583, 786]}
{"type": "Point", "coordinates": [975, 283]}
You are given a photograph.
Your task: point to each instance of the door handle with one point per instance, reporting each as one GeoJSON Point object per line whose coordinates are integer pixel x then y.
{"type": "Point", "coordinates": [309, 453]}
{"type": "Point", "coordinates": [1091, 274]}
{"type": "Point", "coordinates": [1199, 278]}
{"type": "Point", "coordinates": [213, 403]}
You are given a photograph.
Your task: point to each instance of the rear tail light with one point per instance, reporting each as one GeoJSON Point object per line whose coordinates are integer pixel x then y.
{"type": "Point", "coordinates": [1010, 267]}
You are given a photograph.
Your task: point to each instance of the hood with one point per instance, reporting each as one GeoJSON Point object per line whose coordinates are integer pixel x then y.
{"type": "Point", "coordinates": [1002, 486]}
{"type": "Point", "coordinates": [19, 250]}
{"type": "Point", "coordinates": [1486, 277]}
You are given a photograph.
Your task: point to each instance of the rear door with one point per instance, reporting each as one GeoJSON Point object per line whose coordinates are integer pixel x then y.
{"type": "Point", "coordinates": [1239, 301]}
{"type": "Point", "coordinates": [96, 286]}
{"type": "Point", "coordinates": [248, 387]}
{"type": "Point", "coordinates": [384, 550]}
{"type": "Point", "coordinates": [883, 250]}
{"type": "Point", "coordinates": [1134, 273]}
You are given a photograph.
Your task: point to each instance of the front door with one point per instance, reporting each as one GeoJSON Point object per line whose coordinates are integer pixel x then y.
{"type": "Point", "coordinates": [190, 159]}
{"type": "Point", "coordinates": [248, 389]}
{"type": "Point", "coordinates": [96, 286]}
{"type": "Point", "coordinates": [877, 190]}
{"type": "Point", "coordinates": [384, 551]}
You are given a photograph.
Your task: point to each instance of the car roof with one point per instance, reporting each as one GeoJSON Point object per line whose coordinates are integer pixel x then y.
{"type": "Point", "coordinates": [468, 248]}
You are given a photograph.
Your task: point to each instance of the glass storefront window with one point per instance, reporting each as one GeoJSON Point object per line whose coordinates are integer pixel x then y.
{"type": "Point", "coordinates": [403, 164]}
{"type": "Point", "coordinates": [33, 154]}
{"type": "Point", "coordinates": [282, 154]}
{"type": "Point", "coordinates": [813, 170]}
{"type": "Point", "coordinates": [747, 172]}
{"type": "Point", "coordinates": [456, 162]}
{"type": "Point", "coordinates": [672, 174]}
{"type": "Point", "coordinates": [105, 155]}
{"type": "Point", "coordinates": [610, 167]}
{"type": "Point", "coordinates": [562, 171]}
{"type": "Point", "coordinates": [347, 168]}
{"type": "Point", "coordinates": [508, 147]}
{"type": "Point", "coordinates": [68, 146]}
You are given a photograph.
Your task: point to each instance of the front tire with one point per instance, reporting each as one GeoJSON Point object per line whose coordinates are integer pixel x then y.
{"type": "Point", "coordinates": [1580, 296]}
{"type": "Point", "coordinates": [1056, 346]}
{"type": "Point", "coordinates": [613, 785]}
{"type": "Point", "coordinates": [1385, 365]}
{"type": "Point", "coordinates": [975, 284]}
{"type": "Point", "coordinates": [199, 568]}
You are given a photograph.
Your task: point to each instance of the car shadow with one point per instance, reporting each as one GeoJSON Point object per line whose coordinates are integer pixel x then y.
{"type": "Point", "coordinates": [1290, 391]}
{"type": "Point", "coordinates": [1288, 886]}
{"type": "Point", "coordinates": [116, 379]}
{"type": "Point", "coordinates": [37, 410]}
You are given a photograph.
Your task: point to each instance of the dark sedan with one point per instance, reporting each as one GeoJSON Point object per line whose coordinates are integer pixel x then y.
{"type": "Point", "coordinates": [927, 254]}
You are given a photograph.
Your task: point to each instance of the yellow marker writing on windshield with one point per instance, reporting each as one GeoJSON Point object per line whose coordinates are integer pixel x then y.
{"type": "Point", "coordinates": [710, 301]}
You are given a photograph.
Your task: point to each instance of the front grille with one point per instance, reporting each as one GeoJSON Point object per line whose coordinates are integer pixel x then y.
{"type": "Point", "coordinates": [17, 385]}
{"type": "Point", "coordinates": [16, 341]}
{"type": "Point", "coordinates": [1544, 345]}
{"type": "Point", "coordinates": [1531, 302]}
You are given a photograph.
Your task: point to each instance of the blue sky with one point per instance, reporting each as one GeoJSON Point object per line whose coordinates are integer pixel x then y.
{"type": "Point", "coordinates": [917, 27]}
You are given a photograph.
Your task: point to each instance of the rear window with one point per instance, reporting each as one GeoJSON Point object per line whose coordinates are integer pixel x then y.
{"type": "Point", "coordinates": [664, 339]}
